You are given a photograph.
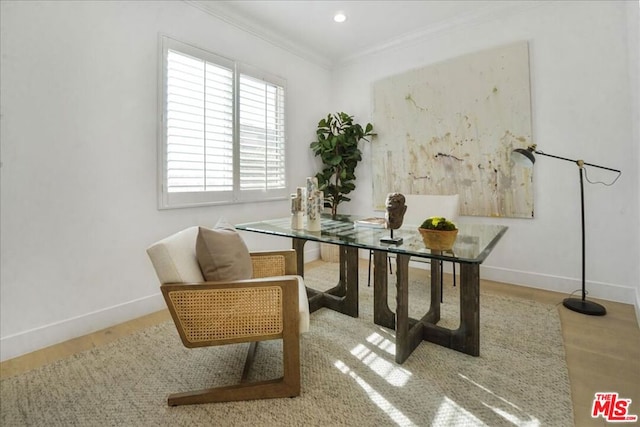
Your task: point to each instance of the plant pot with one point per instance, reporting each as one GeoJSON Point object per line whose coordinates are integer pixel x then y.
{"type": "Point", "coordinates": [438, 240]}
{"type": "Point", "coordinates": [329, 253]}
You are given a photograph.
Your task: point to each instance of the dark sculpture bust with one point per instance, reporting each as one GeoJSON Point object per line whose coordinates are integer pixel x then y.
{"type": "Point", "coordinates": [396, 208]}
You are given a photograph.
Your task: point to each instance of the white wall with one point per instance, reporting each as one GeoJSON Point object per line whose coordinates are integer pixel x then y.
{"type": "Point", "coordinates": [78, 87]}
{"type": "Point", "coordinates": [582, 96]}
{"type": "Point", "coordinates": [78, 175]}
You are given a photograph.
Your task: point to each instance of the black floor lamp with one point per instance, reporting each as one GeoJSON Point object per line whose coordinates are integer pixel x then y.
{"type": "Point", "coordinates": [526, 158]}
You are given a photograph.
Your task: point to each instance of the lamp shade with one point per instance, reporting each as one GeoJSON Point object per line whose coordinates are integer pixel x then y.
{"type": "Point", "coordinates": [523, 157]}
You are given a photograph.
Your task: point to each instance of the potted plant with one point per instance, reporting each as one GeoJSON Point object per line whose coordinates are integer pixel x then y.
{"type": "Point", "coordinates": [438, 233]}
{"type": "Point", "coordinates": [337, 146]}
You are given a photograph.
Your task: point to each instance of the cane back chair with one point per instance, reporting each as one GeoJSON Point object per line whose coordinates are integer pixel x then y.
{"type": "Point", "coordinates": [271, 305]}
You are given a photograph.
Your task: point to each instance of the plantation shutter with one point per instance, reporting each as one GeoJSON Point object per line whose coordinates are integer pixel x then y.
{"type": "Point", "coordinates": [223, 130]}
{"type": "Point", "coordinates": [199, 125]}
{"type": "Point", "coordinates": [262, 135]}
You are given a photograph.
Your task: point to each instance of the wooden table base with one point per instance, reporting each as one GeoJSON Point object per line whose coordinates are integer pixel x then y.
{"type": "Point", "coordinates": [411, 332]}
{"type": "Point", "coordinates": [343, 297]}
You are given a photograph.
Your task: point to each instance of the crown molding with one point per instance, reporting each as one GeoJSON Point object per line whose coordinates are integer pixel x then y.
{"type": "Point", "coordinates": [500, 9]}
{"type": "Point", "coordinates": [224, 13]}
{"type": "Point", "coordinates": [227, 14]}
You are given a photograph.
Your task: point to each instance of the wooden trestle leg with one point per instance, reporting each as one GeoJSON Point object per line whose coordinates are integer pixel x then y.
{"type": "Point", "coordinates": [411, 332]}
{"type": "Point", "coordinates": [382, 315]}
{"type": "Point", "coordinates": [344, 296]}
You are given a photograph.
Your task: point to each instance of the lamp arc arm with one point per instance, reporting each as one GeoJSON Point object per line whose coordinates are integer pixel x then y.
{"type": "Point", "coordinates": [576, 161]}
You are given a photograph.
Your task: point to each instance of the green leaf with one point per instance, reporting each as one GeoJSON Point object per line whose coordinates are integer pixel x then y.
{"type": "Point", "coordinates": [335, 160]}
{"type": "Point", "coordinates": [337, 146]}
{"type": "Point", "coordinates": [349, 186]}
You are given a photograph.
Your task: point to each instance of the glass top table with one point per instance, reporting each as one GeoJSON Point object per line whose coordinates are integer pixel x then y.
{"type": "Point", "coordinates": [473, 244]}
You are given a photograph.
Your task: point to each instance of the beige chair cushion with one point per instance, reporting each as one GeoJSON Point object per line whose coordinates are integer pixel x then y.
{"type": "Point", "coordinates": [174, 258]}
{"type": "Point", "coordinates": [303, 303]}
{"type": "Point", "coordinates": [223, 255]}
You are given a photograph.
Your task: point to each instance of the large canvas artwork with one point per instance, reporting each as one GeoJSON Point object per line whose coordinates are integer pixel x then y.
{"type": "Point", "coordinates": [450, 128]}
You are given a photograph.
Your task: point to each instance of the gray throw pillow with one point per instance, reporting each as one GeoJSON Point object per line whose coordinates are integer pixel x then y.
{"type": "Point", "coordinates": [222, 254]}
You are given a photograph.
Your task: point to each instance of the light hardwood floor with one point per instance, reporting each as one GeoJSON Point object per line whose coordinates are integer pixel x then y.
{"type": "Point", "coordinates": [603, 353]}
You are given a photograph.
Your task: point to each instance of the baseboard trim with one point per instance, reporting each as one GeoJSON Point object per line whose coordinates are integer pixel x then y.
{"type": "Point", "coordinates": [568, 285]}
{"type": "Point", "coordinates": [600, 290]}
{"type": "Point", "coordinates": [47, 335]}
{"type": "Point", "coordinates": [44, 336]}
{"type": "Point", "coordinates": [312, 254]}
{"type": "Point", "coordinates": [637, 304]}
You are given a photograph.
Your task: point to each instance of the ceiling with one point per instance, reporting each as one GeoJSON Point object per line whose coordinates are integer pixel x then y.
{"type": "Point", "coordinates": [306, 27]}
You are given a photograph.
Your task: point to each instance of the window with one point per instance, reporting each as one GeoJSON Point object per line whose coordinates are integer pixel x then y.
{"type": "Point", "coordinates": [223, 130]}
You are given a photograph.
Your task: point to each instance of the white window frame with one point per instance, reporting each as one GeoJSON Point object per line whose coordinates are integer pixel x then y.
{"type": "Point", "coordinates": [171, 200]}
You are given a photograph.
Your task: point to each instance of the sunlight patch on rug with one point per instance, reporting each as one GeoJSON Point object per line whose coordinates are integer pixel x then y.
{"type": "Point", "coordinates": [390, 371]}
{"type": "Point", "coordinates": [507, 414]}
{"type": "Point", "coordinates": [396, 415]}
{"type": "Point", "coordinates": [382, 343]}
{"type": "Point", "coordinates": [451, 414]}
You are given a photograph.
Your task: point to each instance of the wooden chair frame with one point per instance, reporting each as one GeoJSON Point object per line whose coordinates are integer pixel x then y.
{"type": "Point", "coordinates": [184, 299]}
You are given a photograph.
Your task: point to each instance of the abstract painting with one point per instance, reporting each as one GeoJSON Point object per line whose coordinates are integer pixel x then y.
{"type": "Point", "coordinates": [450, 128]}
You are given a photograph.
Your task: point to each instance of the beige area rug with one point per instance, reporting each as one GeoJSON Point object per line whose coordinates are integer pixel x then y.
{"type": "Point", "coordinates": [349, 376]}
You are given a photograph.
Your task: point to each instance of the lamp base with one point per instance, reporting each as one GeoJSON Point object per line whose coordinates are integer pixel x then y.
{"type": "Point", "coordinates": [585, 307]}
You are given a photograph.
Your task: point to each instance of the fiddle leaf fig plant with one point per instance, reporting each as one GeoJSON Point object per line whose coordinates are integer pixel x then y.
{"type": "Point", "coordinates": [337, 146]}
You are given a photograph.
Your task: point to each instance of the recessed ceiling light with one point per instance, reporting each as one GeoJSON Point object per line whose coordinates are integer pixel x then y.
{"type": "Point", "coordinates": [340, 17]}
